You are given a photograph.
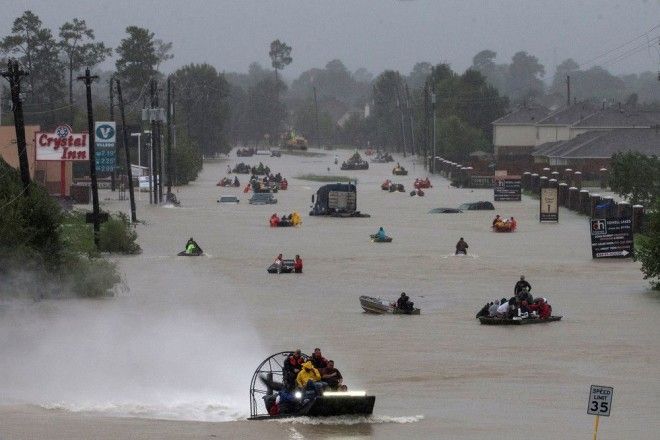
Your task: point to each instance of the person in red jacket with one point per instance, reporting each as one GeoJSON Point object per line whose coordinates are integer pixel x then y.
{"type": "Point", "coordinates": [542, 307]}
{"type": "Point", "coordinates": [298, 264]}
{"type": "Point", "coordinates": [274, 220]}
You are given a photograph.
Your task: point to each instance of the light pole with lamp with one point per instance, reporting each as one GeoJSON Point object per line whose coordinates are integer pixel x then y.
{"type": "Point", "coordinates": [152, 199]}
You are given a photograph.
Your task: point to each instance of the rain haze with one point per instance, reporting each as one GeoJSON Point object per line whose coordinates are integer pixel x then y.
{"type": "Point", "coordinates": [377, 34]}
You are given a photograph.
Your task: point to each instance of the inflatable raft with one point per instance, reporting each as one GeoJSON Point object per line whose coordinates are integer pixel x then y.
{"type": "Point", "coordinates": [524, 321]}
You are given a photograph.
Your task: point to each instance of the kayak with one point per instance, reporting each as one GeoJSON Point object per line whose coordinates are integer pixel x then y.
{"type": "Point", "coordinates": [380, 240]}
{"type": "Point", "coordinates": [505, 321]}
{"type": "Point", "coordinates": [286, 267]}
{"type": "Point", "coordinates": [194, 254]}
{"type": "Point", "coordinates": [380, 306]}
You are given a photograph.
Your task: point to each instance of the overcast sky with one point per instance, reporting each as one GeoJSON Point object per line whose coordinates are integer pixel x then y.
{"type": "Point", "coordinates": [376, 34]}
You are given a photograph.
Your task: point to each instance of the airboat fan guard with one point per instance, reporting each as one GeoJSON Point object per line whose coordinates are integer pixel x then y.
{"type": "Point", "coordinates": [270, 368]}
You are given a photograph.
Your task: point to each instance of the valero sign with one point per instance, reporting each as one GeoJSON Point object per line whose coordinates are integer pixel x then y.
{"type": "Point", "coordinates": [62, 145]}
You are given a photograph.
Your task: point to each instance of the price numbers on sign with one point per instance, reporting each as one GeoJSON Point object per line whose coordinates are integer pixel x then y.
{"type": "Point", "coordinates": [600, 400]}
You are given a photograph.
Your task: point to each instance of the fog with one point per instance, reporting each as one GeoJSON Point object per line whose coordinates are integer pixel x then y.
{"type": "Point", "coordinates": [374, 34]}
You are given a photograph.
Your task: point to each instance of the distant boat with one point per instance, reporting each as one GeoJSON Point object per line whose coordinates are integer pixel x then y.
{"type": "Point", "coordinates": [525, 321]}
{"type": "Point", "coordinates": [380, 306]}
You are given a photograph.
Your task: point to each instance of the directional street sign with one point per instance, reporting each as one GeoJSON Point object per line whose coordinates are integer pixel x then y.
{"type": "Point", "coordinates": [600, 400]}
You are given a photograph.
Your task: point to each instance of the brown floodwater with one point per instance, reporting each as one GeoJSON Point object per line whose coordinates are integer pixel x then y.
{"type": "Point", "coordinates": [181, 339]}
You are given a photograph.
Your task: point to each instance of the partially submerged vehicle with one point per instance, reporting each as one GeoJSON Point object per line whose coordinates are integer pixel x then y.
{"type": "Point", "coordinates": [262, 198]}
{"type": "Point", "coordinates": [241, 168]}
{"type": "Point", "coordinates": [267, 382]}
{"type": "Point", "coordinates": [477, 206]}
{"type": "Point", "coordinates": [381, 306]}
{"type": "Point", "coordinates": [285, 267]}
{"type": "Point", "coordinates": [445, 211]}
{"type": "Point", "coordinates": [516, 320]}
{"type": "Point", "coordinates": [245, 152]}
{"type": "Point", "coordinates": [336, 200]}
{"type": "Point", "coordinates": [228, 199]}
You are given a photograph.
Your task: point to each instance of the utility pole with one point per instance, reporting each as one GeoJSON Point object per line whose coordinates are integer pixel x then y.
{"type": "Point", "coordinates": [87, 78]}
{"type": "Point", "coordinates": [154, 188]}
{"type": "Point", "coordinates": [412, 127]}
{"type": "Point", "coordinates": [159, 150]}
{"type": "Point", "coordinates": [568, 90]}
{"type": "Point", "coordinates": [399, 105]}
{"type": "Point", "coordinates": [316, 111]}
{"type": "Point", "coordinates": [129, 170]}
{"type": "Point", "coordinates": [433, 104]}
{"type": "Point", "coordinates": [426, 126]}
{"type": "Point", "coordinates": [169, 137]}
{"type": "Point", "coordinates": [173, 168]}
{"type": "Point", "coordinates": [112, 118]}
{"type": "Point", "coordinates": [14, 75]}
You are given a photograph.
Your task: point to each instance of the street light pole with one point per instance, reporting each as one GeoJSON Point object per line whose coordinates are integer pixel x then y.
{"type": "Point", "coordinates": [138, 135]}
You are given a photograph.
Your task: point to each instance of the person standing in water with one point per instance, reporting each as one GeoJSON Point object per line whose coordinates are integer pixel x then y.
{"type": "Point", "coordinates": [461, 247]}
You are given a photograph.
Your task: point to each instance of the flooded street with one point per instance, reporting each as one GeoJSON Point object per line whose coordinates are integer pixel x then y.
{"type": "Point", "coordinates": [182, 340]}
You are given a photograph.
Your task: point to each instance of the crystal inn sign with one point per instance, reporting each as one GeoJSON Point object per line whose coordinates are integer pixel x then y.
{"type": "Point", "coordinates": [62, 145]}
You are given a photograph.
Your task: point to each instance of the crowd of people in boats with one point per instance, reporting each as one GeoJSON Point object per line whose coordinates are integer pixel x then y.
{"type": "Point", "coordinates": [293, 219]}
{"type": "Point", "coordinates": [228, 181]}
{"type": "Point", "coordinates": [522, 305]}
{"type": "Point", "coordinates": [404, 303]}
{"type": "Point", "coordinates": [501, 224]}
{"type": "Point", "coordinates": [422, 183]}
{"type": "Point", "coordinates": [268, 183]}
{"type": "Point", "coordinates": [355, 162]}
{"type": "Point", "coordinates": [303, 380]}
{"type": "Point", "coordinates": [243, 168]}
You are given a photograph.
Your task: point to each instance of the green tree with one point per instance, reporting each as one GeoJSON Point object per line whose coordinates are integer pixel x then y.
{"type": "Point", "coordinates": [648, 249]}
{"type": "Point", "coordinates": [280, 56]}
{"type": "Point", "coordinates": [201, 103]}
{"type": "Point", "coordinates": [77, 43]}
{"type": "Point", "coordinates": [636, 177]}
{"type": "Point", "coordinates": [457, 139]}
{"type": "Point", "coordinates": [38, 52]}
{"type": "Point", "coordinates": [386, 113]}
{"type": "Point", "coordinates": [137, 61]}
{"type": "Point", "coordinates": [524, 77]}
{"type": "Point", "coordinates": [187, 160]}
{"type": "Point", "coordinates": [265, 112]}
{"type": "Point", "coordinates": [305, 123]}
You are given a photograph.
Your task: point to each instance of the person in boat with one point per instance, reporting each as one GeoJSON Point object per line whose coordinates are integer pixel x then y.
{"type": "Point", "coordinates": [484, 310]}
{"type": "Point", "coordinates": [332, 376]}
{"type": "Point", "coordinates": [291, 368]}
{"type": "Point", "coordinates": [541, 307]}
{"type": "Point", "coordinates": [404, 303]}
{"type": "Point", "coordinates": [496, 220]}
{"type": "Point", "coordinates": [228, 169]}
{"type": "Point", "coordinates": [318, 360]}
{"type": "Point", "coordinates": [278, 261]}
{"type": "Point", "coordinates": [274, 220]}
{"type": "Point", "coordinates": [492, 310]}
{"type": "Point", "coordinates": [520, 285]}
{"type": "Point", "coordinates": [309, 380]}
{"type": "Point", "coordinates": [236, 182]}
{"type": "Point", "coordinates": [514, 305]}
{"type": "Point", "coordinates": [461, 247]}
{"type": "Point", "coordinates": [514, 223]}
{"type": "Point", "coordinates": [503, 309]}
{"type": "Point", "coordinates": [192, 247]}
{"type": "Point", "coordinates": [380, 235]}
{"type": "Point", "coordinates": [298, 264]}
{"type": "Point", "coordinates": [524, 295]}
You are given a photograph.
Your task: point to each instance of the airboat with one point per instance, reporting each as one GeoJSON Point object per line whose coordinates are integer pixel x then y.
{"type": "Point", "coordinates": [268, 379]}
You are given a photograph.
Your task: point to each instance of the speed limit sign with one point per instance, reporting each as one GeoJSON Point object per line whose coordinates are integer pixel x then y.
{"type": "Point", "coordinates": [600, 400]}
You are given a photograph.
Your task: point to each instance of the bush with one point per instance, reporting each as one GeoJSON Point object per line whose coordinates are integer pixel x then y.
{"type": "Point", "coordinates": [648, 249]}
{"type": "Point", "coordinates": [118, 235]}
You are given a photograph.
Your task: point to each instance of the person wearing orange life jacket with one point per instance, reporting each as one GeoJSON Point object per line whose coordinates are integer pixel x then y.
{"type": "Point", "coordinates": [274, 220]}
{"type": "Point", "coordinates": [298, 264]}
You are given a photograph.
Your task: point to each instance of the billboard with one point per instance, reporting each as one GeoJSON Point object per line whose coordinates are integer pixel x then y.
{"type": "Point", "coordinates": [549, 206]}
{"type": "Point", "coordinates": [105, 152]}
{"type": "Point", "coordinates": [611, 237]}
{"type": "Point", "coordinates": [507, 188]}
{"type": "Point", "coordinates": [62, 145]}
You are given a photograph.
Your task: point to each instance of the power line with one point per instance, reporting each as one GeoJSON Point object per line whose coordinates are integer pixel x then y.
{"type": "Point", "coordinates": [589, 62]}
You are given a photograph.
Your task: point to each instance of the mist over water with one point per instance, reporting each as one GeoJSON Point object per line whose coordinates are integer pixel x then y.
{"type": "Point", "coordinates": [125, 357]}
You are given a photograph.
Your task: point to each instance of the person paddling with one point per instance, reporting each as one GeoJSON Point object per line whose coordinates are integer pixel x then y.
{"type": "Point", "coordinates": [461, 247]}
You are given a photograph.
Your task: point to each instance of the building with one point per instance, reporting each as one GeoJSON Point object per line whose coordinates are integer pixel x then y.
{"type": "Point", "coordinates": [515, 134]}
{"type": "Point", "coordinates": [47, 173]}
{"type": "Point", "coordinates": [592, 150]}
{"type": "Point", "coordinates": [557, 125]}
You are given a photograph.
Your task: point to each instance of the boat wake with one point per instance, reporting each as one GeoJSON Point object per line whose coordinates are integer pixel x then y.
{"type": "Point", "coordinates": [350, 420]}
{"type": "Point", "coordinates": [199, 411]}
{"type": "Point", "coordinates": [470, 256]}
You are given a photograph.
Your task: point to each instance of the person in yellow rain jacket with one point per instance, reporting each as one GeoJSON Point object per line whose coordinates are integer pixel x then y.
{"type": "Point", "coordinates": [307, 373]}
{"type": "Point", "coordinates": [295, 218]}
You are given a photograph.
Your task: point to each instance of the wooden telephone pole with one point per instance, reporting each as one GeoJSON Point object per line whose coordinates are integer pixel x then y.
{"type": "Point", "coordinates": [14, 75]}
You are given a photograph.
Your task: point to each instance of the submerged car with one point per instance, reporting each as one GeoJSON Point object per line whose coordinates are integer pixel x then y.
{"type": "Point", "coordinates": [262, 198]}
{"type": "Point", "coordinates": [477, 206]}
{"type": "Point", "coordinates": [445, 211]}
{"type": "Point", "coordinates": [228, 199]}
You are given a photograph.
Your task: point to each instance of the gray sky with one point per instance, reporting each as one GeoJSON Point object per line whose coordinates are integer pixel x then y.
{"type": "Point", "coordinates": [376, 34]}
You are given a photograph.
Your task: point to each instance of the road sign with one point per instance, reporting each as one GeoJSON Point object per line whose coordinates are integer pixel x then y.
{"type": "Point", "coordinates": [600, 400]}
{"type": "Point", "coordinates": [105, 137]}
{"type": "Point", "coordinates": [506, 188]}
{"type": "Point", "coordinates": [549, 208]}
{"type": "Point", "coordinates": [611, 237]}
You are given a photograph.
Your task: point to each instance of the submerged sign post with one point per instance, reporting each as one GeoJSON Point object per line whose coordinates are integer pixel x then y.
{"type": "Point", "coordinates": [600, 403]}
{"type": "Point", "coordinates": [549, 208]}
{"type": "Point", "coordinates": [507, 189]}
{"type": "Point", "coordinates": [106, 137]}
{"type": "Point", "coordinates": [611, 237]}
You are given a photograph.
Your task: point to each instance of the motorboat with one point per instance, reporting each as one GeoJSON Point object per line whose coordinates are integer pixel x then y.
{"type": "Point", "coordinates": [380, 306]}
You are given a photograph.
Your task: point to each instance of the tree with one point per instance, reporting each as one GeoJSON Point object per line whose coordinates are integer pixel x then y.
{"type": "Point", "coordinates": [264, 112]}
{"type": "Point", "coordinates": [201, 103]}
{"type": "Point", "coordinates": [77, 43]}
{"type": "Point", "coordinates": [305, 123]}
{"type": "Point", "coordinates": [636, 177]}
{"type": "Point", "coordinates": [419, 74]}
{"type": "Point", "coordinates": [163, 52]}
{"type": "Point", "coordinates": [523, 80]}
{"type": "Point", "coordinates": [280, 56]}
{"type": "Point", "coordinates": [484, 62]}
{"type": "Point", "coordinates": [137, 60]}
{"type": "Point", "coordinates": [456, 139]}
{"type": "Point", "coordinates": [37, 51]}
{"type": "Point", "coordinates": [648, 249]}
{"type": "Point", "coordinates": [386, 113]}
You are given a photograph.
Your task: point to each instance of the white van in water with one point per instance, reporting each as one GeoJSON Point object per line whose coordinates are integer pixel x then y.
{"type": "Point", "coordinates": [143, 183]}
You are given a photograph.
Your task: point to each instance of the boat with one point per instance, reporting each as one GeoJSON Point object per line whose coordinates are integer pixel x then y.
{"type": "Point", "coordinates": [380, 306]}
{"type": "Point", "coordinates": [485, 320]}
{"type": "Point", "coordinates": [197, 253]}
{"type": "Point", "coordinates": [267, 381]}
{"type": "Point", "coordinates": [286, 267]}
{"type": "Point", "coordinates": [375, 239]}
{"type": "Point", "coordinates": [501, 226]}
{"type": "Point", "coordinates": [399, 171]}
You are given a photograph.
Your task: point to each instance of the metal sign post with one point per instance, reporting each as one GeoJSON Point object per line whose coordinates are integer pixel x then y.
{"type": "Point", "coordinates": [600, 404]}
